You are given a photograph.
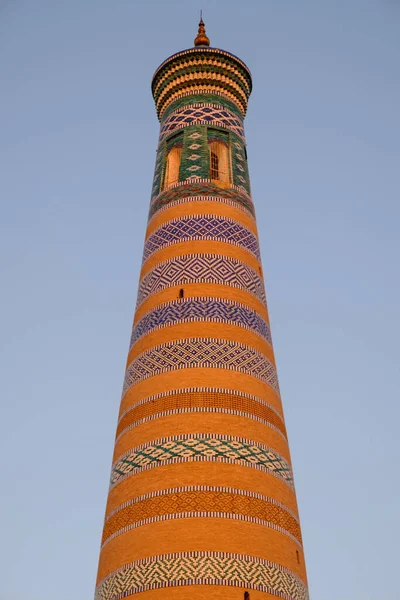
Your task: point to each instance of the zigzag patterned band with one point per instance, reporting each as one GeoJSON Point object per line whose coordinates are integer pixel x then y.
{"type": "Point", "coordinates": [201, 501]}
{"type": "Point", "coordinates": [202, 568]}
{"type": "Point", "coordinates": [201, 227]}
{"type": "Point", "coordinates": [201, 447]}
{"type": "Point", "coordinates": [195, 353]}
{"type": "Point", "coordinates": [200, 400]}
{"type": "Point", "coordinates": [212, 310]}
{"type": "Point", "coordinates": [201, 268]}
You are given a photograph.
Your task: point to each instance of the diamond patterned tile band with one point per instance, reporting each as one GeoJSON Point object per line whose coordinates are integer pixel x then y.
{"type": "Point", "coordinates": [200, 353]}
{"type": "Point", "coordinates": [216, 310]}
{"type": "Point", "coordinates": [202, 114]}
{"type": "Point", "coordinates": [202, 568]}
{"type": "Point", "coordinates": [201, 447]}
{"type": "Point", "coordinates": [201, 268]}
{"type": "Point", "coordinates": [205, 502]}
{"type": "Point", "coordinates": [201, 227]}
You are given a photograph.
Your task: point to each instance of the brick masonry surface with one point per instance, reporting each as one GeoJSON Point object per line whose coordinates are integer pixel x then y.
{"type": "Point", "coordinates": [201, 495]}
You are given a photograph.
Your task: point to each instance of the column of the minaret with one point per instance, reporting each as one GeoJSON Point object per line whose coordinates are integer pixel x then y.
{"type": "Point", "coordinates": [202, 499]}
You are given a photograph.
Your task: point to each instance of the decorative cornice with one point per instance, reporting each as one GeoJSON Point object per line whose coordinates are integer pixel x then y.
{"type": "Point", "coordinates": [201, 70]}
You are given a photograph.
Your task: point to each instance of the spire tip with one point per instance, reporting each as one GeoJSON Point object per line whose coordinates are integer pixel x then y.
{"type": "Point", "coordinates": [201, 39]}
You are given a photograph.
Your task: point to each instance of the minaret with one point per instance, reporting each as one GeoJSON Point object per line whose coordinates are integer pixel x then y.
{"type": "Point", "coordinates": [201, 502]}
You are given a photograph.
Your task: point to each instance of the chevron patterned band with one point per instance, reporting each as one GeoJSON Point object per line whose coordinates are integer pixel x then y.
{"type": "Point", "coordinates": [202, 568]}
{"type": "Point", "coordinates": [201, 447]}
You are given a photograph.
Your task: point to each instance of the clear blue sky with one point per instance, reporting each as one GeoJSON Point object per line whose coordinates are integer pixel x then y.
{"type": "Point", "coordinates": [78, 134]}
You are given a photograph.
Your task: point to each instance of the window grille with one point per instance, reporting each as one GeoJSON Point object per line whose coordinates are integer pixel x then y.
{"type": "Point", "coordinates": [214, 166]}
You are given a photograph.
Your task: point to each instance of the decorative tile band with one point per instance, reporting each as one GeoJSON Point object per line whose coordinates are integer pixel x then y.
{"type": "Point", "coordinates": [209, 400]}
{"type": "Point", "coordinates": [201, 227]}
{"type": "Point", "coordinates": [201, 187]}
{"type": "Point", "coordinates": [192, 353]}
{"type": "Point", "coordinates": [193, 99]}
{"type": "Point", "coordinates": [201, 268]}
{"type": "Point", "coordinates": [214, 310]}
{"type": "Point", "coordinates": [201, 447]}
{"type": "Point", "coordinates": [202, 114]}
{"type": "Point", "coordinates": [202, 568]}
{"type": "Point", "coordinates": [186, 400]}
{"type": "Point", "coordinates": [205, 502]}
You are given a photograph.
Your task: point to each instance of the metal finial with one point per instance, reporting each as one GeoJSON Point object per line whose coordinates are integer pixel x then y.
{"type": "Point", "coordinates": [201, 39]}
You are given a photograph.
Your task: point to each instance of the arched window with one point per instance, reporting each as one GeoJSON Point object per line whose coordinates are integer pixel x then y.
{"type": "Point", "coordinates": [219, 163]}
{"type": "Point", "coordinates": [172, 166]}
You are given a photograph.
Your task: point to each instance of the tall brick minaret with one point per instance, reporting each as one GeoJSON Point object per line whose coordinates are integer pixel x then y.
{"type": "Point", "coordinates": [202, 501]}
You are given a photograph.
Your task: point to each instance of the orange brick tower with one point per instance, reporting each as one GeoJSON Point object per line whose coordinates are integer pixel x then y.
{"type": "Point", "coordinates": [201, 502]}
